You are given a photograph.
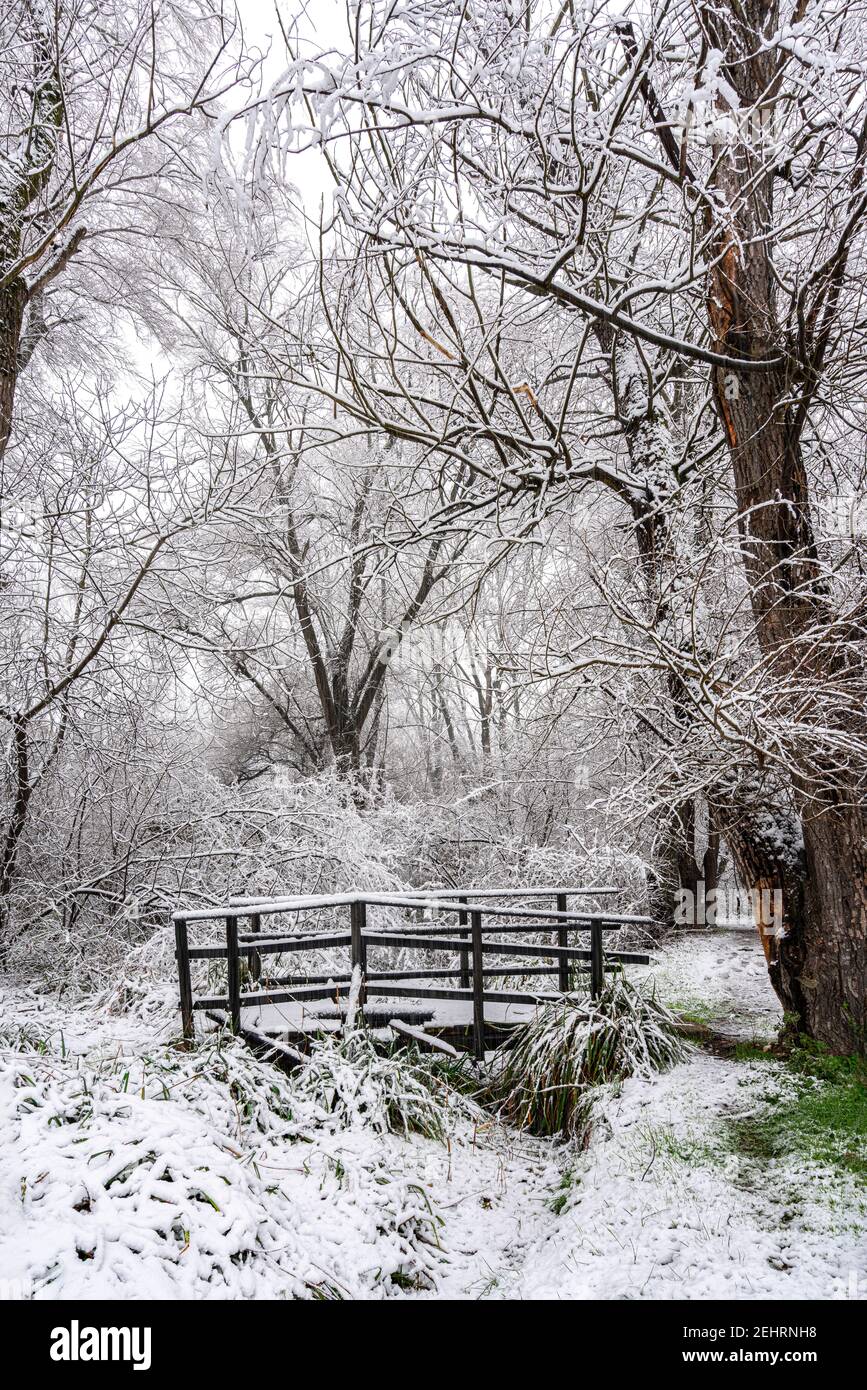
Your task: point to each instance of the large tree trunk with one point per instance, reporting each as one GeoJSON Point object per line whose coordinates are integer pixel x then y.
{"type": "Point", "coordinates": [820, 967]}
{"type": "Point", "coordinates": [833, 944]}
{"type": "Point", "coordinates": [765, 842]}
{"type": "Point", "coordinates": [13, 301]}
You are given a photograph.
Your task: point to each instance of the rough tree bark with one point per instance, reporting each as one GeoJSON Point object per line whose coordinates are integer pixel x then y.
{"type": "Point", "coordinates": [661, 543]}
{"type": "Point", "coordinates": [821, 966]}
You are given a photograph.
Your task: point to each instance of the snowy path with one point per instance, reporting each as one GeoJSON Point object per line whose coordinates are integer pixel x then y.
{"type": "Point", "coordinates": [721, 978]}
{"type": "Point", "coordinates": [659, 1207]}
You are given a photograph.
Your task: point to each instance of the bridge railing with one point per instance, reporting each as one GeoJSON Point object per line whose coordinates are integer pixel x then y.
{"type": "Point", "coordinates": [477, 913]}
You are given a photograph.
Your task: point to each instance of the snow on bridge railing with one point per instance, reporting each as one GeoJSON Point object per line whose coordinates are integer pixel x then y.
{"type": "Point", "coordinates": [466, 940]}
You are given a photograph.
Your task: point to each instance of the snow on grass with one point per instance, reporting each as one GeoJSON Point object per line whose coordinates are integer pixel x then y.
{"type": "Point", "coordinates": [546, 1080]}
{"type": "Point", "coordinates": [132, 1169]}
{"type": "Point", "coordinates": [349, 1081]}
{"type": "Point", "coordinates": [663, 1205]}
{"type": "Point", "coordinates": [197, 1175]}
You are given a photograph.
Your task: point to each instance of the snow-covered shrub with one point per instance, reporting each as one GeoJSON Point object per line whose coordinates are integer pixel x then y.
{"type": "Point", "coordinates": [349, 1081]}
{"type": "Point", "coordinates": [196, 1175]}
{"type": "Point", "coordinates": [543, 1081]}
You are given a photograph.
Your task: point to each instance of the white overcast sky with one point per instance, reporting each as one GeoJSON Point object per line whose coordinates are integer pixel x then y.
{"type": "Point", "coordinates": [319, 24]}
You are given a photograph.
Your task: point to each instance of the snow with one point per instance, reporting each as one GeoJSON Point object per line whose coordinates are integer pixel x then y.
{"type": "Point", "coordinates": [279, 1020]}
{"type": "Point", "coordinates": [131, 1169]}
{"type": "Point", "coordinates": [653, 1215]}
{"type": "Point", "coordinates": [718, 975]}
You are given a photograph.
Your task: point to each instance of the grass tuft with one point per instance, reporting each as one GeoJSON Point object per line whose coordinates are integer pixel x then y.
{"type": "Point", "coordinates": [544, 1082]}
{"type": "Point", "coordinates": [350, 1080]}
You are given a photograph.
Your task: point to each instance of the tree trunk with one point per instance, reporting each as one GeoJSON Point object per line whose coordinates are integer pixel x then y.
{"type": "Point", "coordinates": [819, 967]}
{"type": "Point", "coordinates": [21, 794]}
{"type": "Point", "coordinates": [833, 941]}
{"type": "Point", "coordinates": [13, 301]}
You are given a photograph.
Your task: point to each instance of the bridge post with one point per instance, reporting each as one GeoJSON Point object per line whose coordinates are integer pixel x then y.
{"type": "Point", "coordinates": [255, 958]}
{"type": "Point", "coordinates": [233, 966]}
{"type": "Point", "coordinates": [185, 984]}
{"type": "Point", "coordinates": [465, 955]}
{"type": "Point", "coordinates": [562, 940]}
{"type": "Point", "coordinates": [478, 987]}
{"type": "Point", "coordinates": [358, 947]}
{"type": "Point", "coordinates": [597, 963]}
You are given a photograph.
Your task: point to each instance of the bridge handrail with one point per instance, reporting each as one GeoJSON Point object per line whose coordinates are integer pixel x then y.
{"type": "Point", "coordinates": [261, 907]}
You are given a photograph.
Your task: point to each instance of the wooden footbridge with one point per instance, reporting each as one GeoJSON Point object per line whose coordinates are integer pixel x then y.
{"type": "Point", "coordinates": [458, 961]}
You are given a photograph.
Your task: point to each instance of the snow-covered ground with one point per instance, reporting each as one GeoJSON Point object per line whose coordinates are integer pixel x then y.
{"type": "Point", "coordinates": [129, 1169]}
{"type": "Point", "coordinates": [719, 977]}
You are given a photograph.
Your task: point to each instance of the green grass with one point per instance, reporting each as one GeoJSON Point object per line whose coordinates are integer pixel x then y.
{"type": "Point", "coordinates": [809, 1124]}
{"type": "Point", "coordinates": [695, 1011]}
{"type": "Point", "coordinates": [752, 1052]}
{"type": "Point", "coordinates": [814, 1059]}
{"type": "Point", "coordinates": [825, 1123]}
{"type": "Point", "coordinates": [569, 1180]}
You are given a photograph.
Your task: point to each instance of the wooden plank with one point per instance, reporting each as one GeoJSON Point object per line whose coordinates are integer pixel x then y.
{"type": "Point", "coordinates": [266, 906]}
{"type": "Point", "coordinates": [342, 981]}
{"type": "Point", "coordinates": [500, 996]}
{"type": "Point", "coordinates": [272, 906]}
{"type": "Point", "coordinates": [463, 894]}
{"type": "Point", "coordinates": [489, 948]}
{"type": "Point", "coordinates": [409, 974]}
{"type": "Point", "coordinates": [208, 952]}
{"type": "Point", "coordinates": [465, 955]}
{"type": "Point", "coordinates": [496, 970]}
{"type": "Point", "coordinates": [502, 928]}
{"type": "Point", "coordinates": [255, 956]}
{"type": "Point", "coordinates": [419, 943]}
{"type": "Point", "coordinates": [407, 992]}
{"type": "Point", "coordinates": [562, 940]}
{"type": "Point", "coordinates": [302, 995]}
{"type": "Point", "coordinates": [510, 996]}
{"type": "Point", "coordinates": [358, 943]}
{"type": "Point", "coordinates": [345, 979]}
{"type": "Point", "coordinates": [527, 913]}
{"type": "Point", "coordinates": [273, 946]}
{"type": "Point", "coordinates": [597, 964]}
{"type": "Point", "coordinates": [527, 948]}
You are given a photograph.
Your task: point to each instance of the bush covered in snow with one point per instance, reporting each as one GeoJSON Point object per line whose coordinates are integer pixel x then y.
{"type": "Point", "coordinates": [211, 1174]}
{"type": "Point", "coordinates": [543, 1081]}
